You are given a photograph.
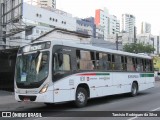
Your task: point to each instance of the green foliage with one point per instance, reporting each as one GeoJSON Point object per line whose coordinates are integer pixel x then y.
{"type": "Point", "coordinates": [138, 48]}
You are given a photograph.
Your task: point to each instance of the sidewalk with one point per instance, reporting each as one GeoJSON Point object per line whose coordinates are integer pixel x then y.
{"type": "Point", "coordinates": [5, 93]}
{"type": "Point", "coordinates": [6, 97]}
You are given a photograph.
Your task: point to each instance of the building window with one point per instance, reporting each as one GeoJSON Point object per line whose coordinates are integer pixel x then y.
{"type": "Point", "coordinates": [39, 15]}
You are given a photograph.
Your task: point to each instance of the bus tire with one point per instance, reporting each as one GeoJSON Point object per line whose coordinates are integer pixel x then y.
{"type": "Point", "coordinates": [81, 97]}
{"type": "Point", "coordinates": [134, 89]}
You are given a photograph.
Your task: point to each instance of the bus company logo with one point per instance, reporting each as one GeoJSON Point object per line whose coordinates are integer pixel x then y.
{"type": "Point", "coordinates": [20, 115]}
{"type": "Point", "coordinates": [133, 76]}
{"type": "Point", "coordinates": [93, 78]}
{"type": "Point", "coordinates": [82, 78]}
{"type": "Point", "coordinates": [104, 78]}
{"type": "Point", "coordinates": [6, 114]}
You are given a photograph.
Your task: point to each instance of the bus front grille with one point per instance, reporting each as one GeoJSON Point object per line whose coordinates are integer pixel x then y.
{"type": "Point", "coordinates": [31, 98]}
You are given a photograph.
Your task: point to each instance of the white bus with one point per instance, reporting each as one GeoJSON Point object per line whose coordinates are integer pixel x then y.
{"type": "Point", "coordinates": [59, 71]}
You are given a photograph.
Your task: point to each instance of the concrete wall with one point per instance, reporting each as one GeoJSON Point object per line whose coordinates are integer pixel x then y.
{"type": "Point", "coordinates": [1, 42]}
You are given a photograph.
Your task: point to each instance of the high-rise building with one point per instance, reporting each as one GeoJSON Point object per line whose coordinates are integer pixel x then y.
{"type": "Point", "coordinates": [43, 3]}
{"type": "Point", "coordinates": [114, 25]}
{"type": "Point", "coordinates": [145, 27]}
{"type": "Point", "coordinates": [128, 23]}
{"type": "Point", "coordinates": [108, 22]}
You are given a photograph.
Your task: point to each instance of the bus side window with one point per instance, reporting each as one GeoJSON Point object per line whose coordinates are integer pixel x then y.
{"type": "Point", "coordinates": [109, 62]}
{"type": "Point", "coordinates": [129, 64]}
{"type": "Point", "coordinates": [147, 68]}
{"type": "Point", "coordinates": [85, 60]}
{"type": "Point", "coordinates": [113, 62]}
{"type": "Point", "coordinates": [62, 62]}
{"type": "Point", "coordinates": [93, 60]}
{"type": "Point", "coordinates": [143, 65]}
{"type": "Point", "coordinates": [138, 65]}
{"type": "Point", "coordinates": [151, 66]}
{"type": "Point", "coordinates": [123, 63]}
{"type": "Point", "coordinates": [134, 64]}
{"type": "Point", "coordinates": [78, 59]}
{"type": "Point", "coordinates": [118, 64]}
{"type": "Point", "coordinates": [102, 62]}
{"type": "Point", "coordinates": [66, 62]}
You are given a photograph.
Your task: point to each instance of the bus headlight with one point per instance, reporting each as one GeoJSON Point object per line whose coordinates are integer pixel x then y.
{"type": "Point", "coordinates": [44, 89]}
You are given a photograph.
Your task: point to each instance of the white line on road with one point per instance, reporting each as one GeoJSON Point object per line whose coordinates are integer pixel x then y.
{"type": "Point", "coordinates": [147, 112]}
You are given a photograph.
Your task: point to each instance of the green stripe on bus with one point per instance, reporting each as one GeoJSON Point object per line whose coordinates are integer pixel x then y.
{"type": "Point", "coordinates": [93, 74]}
{"type": "Point", "coordinates": [146, 75]}
{"type": "Point", "coordinates": [102, 74]}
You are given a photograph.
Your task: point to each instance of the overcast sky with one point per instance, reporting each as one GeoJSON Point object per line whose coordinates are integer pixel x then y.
{"type": "Point", "coordinates": [143, 10]}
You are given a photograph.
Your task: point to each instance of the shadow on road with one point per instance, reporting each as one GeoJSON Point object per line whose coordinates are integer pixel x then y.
{"type": "Point", "coordinates": [91, 102]}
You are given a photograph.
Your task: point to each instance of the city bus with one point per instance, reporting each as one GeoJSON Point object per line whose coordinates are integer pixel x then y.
{"type": "Point", "coordinates": [60, 71]}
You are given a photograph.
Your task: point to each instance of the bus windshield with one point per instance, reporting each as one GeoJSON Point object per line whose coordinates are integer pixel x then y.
{"type": "Point", "coordinates": [32, 69]}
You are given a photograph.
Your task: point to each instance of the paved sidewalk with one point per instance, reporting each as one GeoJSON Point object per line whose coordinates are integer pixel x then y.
{"type": "Point", "coordinates": [7, 97]}
{"type": "Point", "coordinates": [5, 93]}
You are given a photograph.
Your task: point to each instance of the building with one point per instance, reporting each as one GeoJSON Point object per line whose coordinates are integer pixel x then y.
{"type": "Point", "coordinates": [145, 27]}
{"type": "Point", "coordinates": [145, 38]}
{"type": "Point", "coordinates": [156, 44]}
{"type": "Point", "coordinates": [114, 25]}
{"type": "Point", "coordinates": [30, 22]}
{"type": "Point", "coordinates": [128, 24]}
{"type": "Point", "coordinates": [42, 3]}
{"type": "Point", "coordinates": [150, 39]}
{"type": "Point", "coordinates": [109, 22]}
{"type": "Point", "coordinates": [100, 32]}
{"type": "Point", "coordinates": [86, 26]}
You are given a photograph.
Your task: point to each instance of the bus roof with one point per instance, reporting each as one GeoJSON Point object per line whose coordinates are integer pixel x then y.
{"type": "Point", "coordinates": [90, 47]}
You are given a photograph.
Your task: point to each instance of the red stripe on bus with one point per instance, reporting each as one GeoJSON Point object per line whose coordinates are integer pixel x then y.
{"type": "Point", "coordinates": [88, 74]}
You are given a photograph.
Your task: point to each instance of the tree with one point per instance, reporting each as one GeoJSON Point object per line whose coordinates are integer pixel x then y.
{"type": "Point", "coordinates": [138, 48]}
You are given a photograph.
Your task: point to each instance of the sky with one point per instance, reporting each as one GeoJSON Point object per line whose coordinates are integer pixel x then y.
{"type": "Point", "coordinates": [143, 10]}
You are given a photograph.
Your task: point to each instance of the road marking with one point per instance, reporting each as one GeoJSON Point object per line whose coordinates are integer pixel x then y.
{"type": "Point", "coordinates": [40, 118]}
{"type": "Point", "coordinates": [155, 109]}
{"type": "Point", "coordinates": [147, 112]}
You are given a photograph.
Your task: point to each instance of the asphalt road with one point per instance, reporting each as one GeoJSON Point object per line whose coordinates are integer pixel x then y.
{"type": "Point", "coordinates": [148, 100]}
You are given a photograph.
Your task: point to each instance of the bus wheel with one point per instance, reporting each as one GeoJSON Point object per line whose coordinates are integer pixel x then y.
{"type": "Point", "coordinates": [134, 89]}
{"type": "Point", "coordinates": [81, 97]}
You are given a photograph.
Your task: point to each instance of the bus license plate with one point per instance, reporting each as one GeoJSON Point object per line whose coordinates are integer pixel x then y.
{"type": "Point", "coordinates": [26, 99]}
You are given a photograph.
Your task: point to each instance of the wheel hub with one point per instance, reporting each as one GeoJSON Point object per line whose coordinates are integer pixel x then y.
{"type": "Point", "coordinates": [81, 97]}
